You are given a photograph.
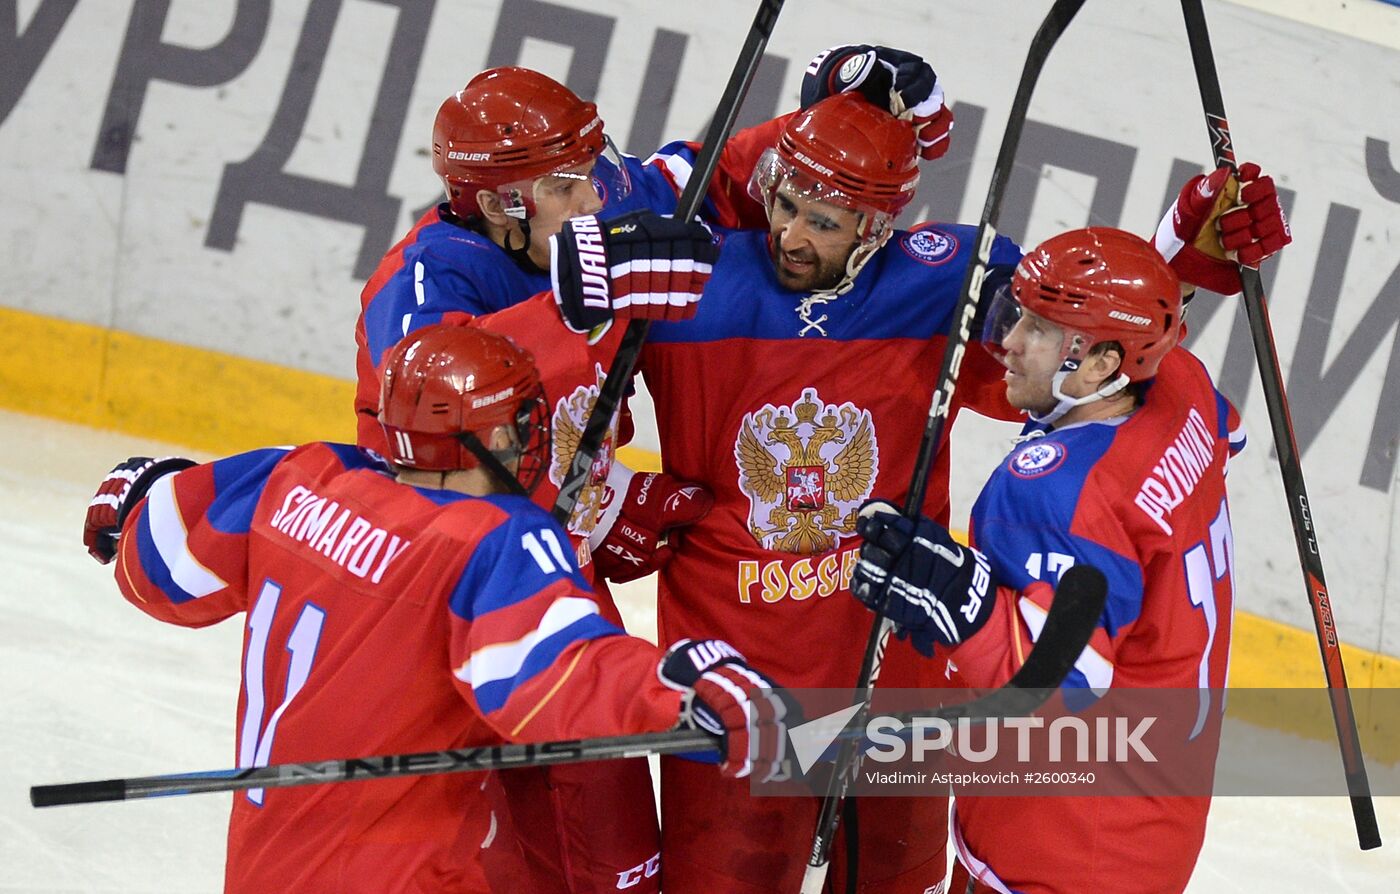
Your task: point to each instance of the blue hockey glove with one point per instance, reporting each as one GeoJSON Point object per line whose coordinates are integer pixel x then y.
{"type": "Point", "coordinates": [914, 573]}
{"type": "Point", "coordinates": [898, 81]}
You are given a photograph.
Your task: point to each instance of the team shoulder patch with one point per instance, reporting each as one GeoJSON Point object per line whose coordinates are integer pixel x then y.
{"type": "Point", "coordinates": [1037, 458]}
{"type": "Point", "coordinates": [930, 246]}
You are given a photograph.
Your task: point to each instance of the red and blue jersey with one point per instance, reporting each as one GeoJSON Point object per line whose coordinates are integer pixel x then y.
{"type": "Point", "coordinates": [1142, 498]}
{"type": "Point", "coordinates": [381, 619]}
{"type": "Point", "coordinates": [792, 427]}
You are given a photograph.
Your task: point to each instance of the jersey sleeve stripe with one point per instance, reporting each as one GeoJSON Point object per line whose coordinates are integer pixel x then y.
{"type": "Point", "coordinates": [238, 485]}
{"type": "Point", "coordinates": [503, 660]}
{"type": "Point", "coordinates": [541, 654]}
{"type": "Point", "coordinates": [496, 579]}
{"type": "Point", "coordinates": [976, 868]}
{"type": "Point", "coordinates": [1237, 441]}
{"type": "Point", "coordinates": [1231, 426]}
{"type": "Point", "coordinates": [163, 544]}
{"type": "Point", "coordinates": [677, 169]}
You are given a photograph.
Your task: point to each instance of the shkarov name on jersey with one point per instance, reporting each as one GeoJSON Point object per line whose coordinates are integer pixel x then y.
{"type": "Point", "coordinates": [321, 524]}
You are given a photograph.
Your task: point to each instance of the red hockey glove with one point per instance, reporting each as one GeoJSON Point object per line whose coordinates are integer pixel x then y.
{"type": "Point", "coordinates": [639, 265]}
{"type": "Point", "coordinates": [643, 509]}
{"type": "Point", "coordinates": [933, 122]}
{"type": "Point", "coordinates": [1215, 224]}
{"type": "Point", "coordinates": [892, 79]}
{"type": "Point", "coordinates": [726, 697]}
{"type": "Point", "coordinates": [124, 487]}
{"type": "Point", "coordinates": [1259, 230]}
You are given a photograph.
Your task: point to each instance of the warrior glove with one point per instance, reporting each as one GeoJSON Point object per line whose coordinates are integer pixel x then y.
{"type": "Point", "coordinates": [914, 573]}
{"type": "Point", "coordinates": [726, 697]}
{"type": "Point", "coordinates": [639, 265]}
{"type": "Point", "coordinates": [124, 487]}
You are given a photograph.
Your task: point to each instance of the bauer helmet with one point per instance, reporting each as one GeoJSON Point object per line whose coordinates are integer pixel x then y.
{"type": "Point", "coordinates": [845, 152]}
{"type": "Point", "coordinates": [511, 126]}
{"type": "Point", "coordinates": [445, 391]}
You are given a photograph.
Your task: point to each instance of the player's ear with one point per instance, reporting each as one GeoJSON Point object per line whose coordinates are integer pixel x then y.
{"type": "Point", "coordinates": [1103, 362]}
{"type": "Point", "coordinates": [503, 437]}
{"type": "Point", "coordinates": [490, 204]}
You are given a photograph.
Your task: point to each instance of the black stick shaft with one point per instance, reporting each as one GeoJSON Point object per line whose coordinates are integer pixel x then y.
{"type": "Point", "coordinates": [620, 373]}
{"type": "Point", "coordinates": [460, 760]}
{"type": "Point", "coordinates": [1290, 464]}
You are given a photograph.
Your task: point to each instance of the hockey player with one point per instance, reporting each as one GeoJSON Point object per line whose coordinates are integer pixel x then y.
{"type": "Point", "coordinates": [1122, 467]}
{"type": "Point", "coordinates": [518, 154]}
{"type": "Point", "coordinates": [821, 333]}
{"type": "Point", "coordinates": [393, 607]}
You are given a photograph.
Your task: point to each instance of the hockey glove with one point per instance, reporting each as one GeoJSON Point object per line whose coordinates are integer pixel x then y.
{"type": "Point", "coordinates": [1216, 223]}
{"type": "Point", "coordinates": [898, 81]}
{"type": "Point", "coordinates": [642, 512]}
{"type": "Point", "coordinates": [726, 697]}
{"type": "Point", "coordinates": [639, 265]}
{"type": "Point", "coordinates": [918, 576]}
{"type": "Point", "coordinates": [124, 487]}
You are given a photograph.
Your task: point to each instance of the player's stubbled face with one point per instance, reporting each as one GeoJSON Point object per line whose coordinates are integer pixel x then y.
{"type": "Point", "coordinates": [811, 240]}
{"type": "Point", "coordinates": [1034, 352]}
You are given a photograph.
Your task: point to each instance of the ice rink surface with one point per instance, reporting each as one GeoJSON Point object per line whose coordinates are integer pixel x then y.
{"type": "Point", "coordinates": [94, 689]}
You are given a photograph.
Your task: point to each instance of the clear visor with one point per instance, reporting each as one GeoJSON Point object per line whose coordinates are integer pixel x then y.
{"type": "Point", "coordinates": [772, 171]}
{"type": "Point", "coordinates": [1006, 316]}
{"type": "Point", "coordinates": [606, 176]}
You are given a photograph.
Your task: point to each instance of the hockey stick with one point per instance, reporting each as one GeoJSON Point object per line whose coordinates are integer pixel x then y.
{"type": "Point", "coordinates": [1078, 603]}
{"type": "Point", "coordinates": [620, 374]}
{"type": "Point", "coordinates": [458, 760]}
{"type": "Point", "coordinates": [847, 765]}
{"type": "Point", "coordinates": [1289, 463]}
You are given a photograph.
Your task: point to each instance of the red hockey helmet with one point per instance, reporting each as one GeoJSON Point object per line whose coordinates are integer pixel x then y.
{"type": "Point", "coordinates": [443, 381]}
{"type": "Point", "coordinates": [1098, 284]}
{"type": "Point", "coordinates": [507, 128]}
{"type": "Point", "coordinates": [845, 151]}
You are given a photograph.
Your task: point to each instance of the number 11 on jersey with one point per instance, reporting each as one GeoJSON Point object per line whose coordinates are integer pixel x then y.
{"type": "Point", "coordinates": [255, 737]}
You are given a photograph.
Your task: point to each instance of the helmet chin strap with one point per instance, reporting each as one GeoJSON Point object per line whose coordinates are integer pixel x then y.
{"type": "Point", "coordinates": [1065, 403]}
{"type": "Point", "coordinates": [492, 463]}
{"type": "Point", "coordinates": [855, 262]}
{"type": "Point", "coordinates": [521, 255]}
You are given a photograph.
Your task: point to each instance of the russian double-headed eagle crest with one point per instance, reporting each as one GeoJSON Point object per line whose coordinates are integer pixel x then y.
{"type": "Point", "coordinates": [569, 418]}
{"type": "Point", "coordinates": [806, 468]}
